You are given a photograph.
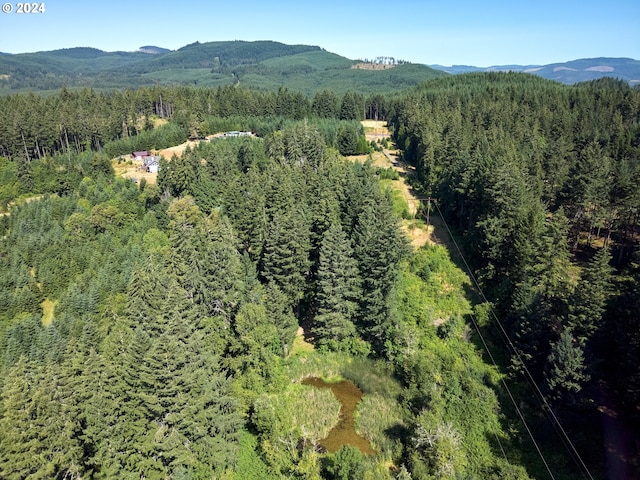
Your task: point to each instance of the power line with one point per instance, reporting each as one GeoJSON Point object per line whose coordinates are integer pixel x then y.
{"type": "Point", "coordinates": [504, 453]}
{"type": "Point", "coordinates": [556, 422]}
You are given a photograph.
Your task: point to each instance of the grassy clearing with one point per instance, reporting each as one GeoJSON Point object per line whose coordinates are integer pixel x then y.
{"type": "Point", "coordinates": [382, 422]}
{"type": "Point", "coordinates": [48, 307]}
{"type": "Point", "coordinates": [178, 150]}
{"type": "Point", "coordinates": [371, 377]}
{"type": "Point", "coordinates": [310, 363]}
{"type": "Point", "coordinates": [300, 346]}
{"type": "Point", "coordinates": [375, 128]}
{"type": "Point", "coordinates": [401, 206]}
{"type": "Point", "coordinates": [132, 170]}
{"type": "Point", "coordinates": [418, 232]}
{"type": "Point", "coordinates": [378, 159]}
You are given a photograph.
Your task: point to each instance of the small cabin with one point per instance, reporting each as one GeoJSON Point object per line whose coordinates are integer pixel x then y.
{"type": "Point", "coordinates": [151, 163]}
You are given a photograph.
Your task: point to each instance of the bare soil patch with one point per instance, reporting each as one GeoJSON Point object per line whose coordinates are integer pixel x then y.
{"type": "Point", "coordinates": [128, 168]}
{"type": "Point", "coordinates": [371, 66]}
{"type": "Point", "coordinates": [133, 170]}
{"type": "Point", "coordinates": [418, 232]}
{"type": "Point", "coordinates": [178, 150]}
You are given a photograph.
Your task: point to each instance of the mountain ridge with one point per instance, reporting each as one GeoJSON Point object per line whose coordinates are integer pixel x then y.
{"type": "Point", "coordinates": [261, 64]}
{"type": "Point", "coordinates": [570, 72]}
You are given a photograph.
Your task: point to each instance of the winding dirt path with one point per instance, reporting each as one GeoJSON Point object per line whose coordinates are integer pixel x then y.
{"type": "Point", "coordinates": [418, 231]}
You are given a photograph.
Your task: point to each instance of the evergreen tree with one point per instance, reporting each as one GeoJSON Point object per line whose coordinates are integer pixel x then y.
{"type": "Point", "coordinates": [348, 140]}
{"type": "Point", "coordinates": [192, 418]}
{"type": "Point", "coordinates": [119, 426]}
{"type": "Point", "coordinates": [25, 175]}
{"type": "Point", "coordinates": [352, 107]}
{"type": "Point", "coordinates": [509, 217]}
{"type": "Point", "coordinates": [337, 291]}
{"type": "Point", "coordinates": [565, 370]}
{"type": "Point", "coordinates": [285, 257]}
{"type": "Point", "coordinates": [551, 268]}
{"type": "Point", "coordinates": [531, 329]}
{"type": "Point", "coordinates": [21, 447]}
{"type": "Point", "coordinates": [204, 258]}
{"type": "Point", "coordinates": [621, 335]}
{"type": "Point", "coordinates": [589, 300]}
{"type": "Point", "coordinates": [281, 316]}
{"type": "Point", "coordinates": [324, 209]}
{"type": "Point", "coordinates": [588, 190]}
{"type": "Point", "coordinates": [179, 415]}
{"type": "Point", "coordinates": [378, 248]}
{"type": "Point", "coordinates": [244, 204]}
{"type": "Point", "coordinates": [303, 145]}
{"type": "Point", "coordinates": [325, 104]}
{"type": "Point", "coordinates": [37, 438]}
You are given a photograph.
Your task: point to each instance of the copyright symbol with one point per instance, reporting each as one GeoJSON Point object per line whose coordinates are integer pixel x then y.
{"type": "Point", "coordinates": [7, 7]}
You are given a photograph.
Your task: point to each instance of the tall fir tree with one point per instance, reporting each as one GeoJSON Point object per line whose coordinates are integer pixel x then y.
{"type": "Point", "coordinates": [589, 300]}
{"type": "Point", "coordinates": [38, 439]}
{"type": "Point", "coordinates": [565, 372]}
{"type": "Point", "coordinates": [338, 291]}
{"type": "Point", "coordinates": [378, 248]}
{"type": "Point", "coordinates": [285, 257]}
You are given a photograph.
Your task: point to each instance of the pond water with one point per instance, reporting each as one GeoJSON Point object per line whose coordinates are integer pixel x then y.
{"type": "Point", "coordinates": [344, 433]}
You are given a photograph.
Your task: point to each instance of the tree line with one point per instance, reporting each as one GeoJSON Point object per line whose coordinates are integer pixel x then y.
{"type": "Point", "coordinates": [36, 126]}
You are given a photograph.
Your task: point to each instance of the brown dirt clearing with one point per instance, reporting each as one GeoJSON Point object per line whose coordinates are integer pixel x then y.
{"type": "Point", "coordinates": [125, 167]}
{"type": "Point", "coordinates": [178, 150]}
{"type": "Point", "coordinates": [132, 170]}
{"type": "Point", "coordinates": [416, 230]}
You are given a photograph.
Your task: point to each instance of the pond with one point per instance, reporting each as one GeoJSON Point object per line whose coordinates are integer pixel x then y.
{"type": "Point", "coordinates": [344, 433]}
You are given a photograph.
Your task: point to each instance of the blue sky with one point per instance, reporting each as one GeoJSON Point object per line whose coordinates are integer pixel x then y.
{"type": "Point", "coordinates": [480, 33]}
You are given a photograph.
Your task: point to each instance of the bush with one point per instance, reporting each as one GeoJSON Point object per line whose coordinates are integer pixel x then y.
{"type": "Point", "coordinates": [387, 173]}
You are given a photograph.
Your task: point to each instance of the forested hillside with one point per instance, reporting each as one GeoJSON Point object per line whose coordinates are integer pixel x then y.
{"type": "Point", "coordinates": [261, 64]}
{"type": "Point", "coordinates": [541, 183]}
{"type": "Point", "coordinates": [151, 330]}
{"type": "Point", "coordinates": [571, 72]}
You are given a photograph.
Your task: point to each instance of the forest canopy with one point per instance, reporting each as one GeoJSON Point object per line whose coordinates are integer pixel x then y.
{"type": "Point", "coordinates": [150, 330]}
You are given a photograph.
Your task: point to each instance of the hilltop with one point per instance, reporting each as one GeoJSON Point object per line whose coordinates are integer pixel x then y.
{"type": "Point", "coordinates": [261, 64]}
{"type": "Point", "coordinates": [266, 65]}
{"type": "Point", "coordinates": [574, 71]}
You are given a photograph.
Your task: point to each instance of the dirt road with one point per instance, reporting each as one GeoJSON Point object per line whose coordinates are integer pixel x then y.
{"type": "Point", "coordinates": [417, 230]}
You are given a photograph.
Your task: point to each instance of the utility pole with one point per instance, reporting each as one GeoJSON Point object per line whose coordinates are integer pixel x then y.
{"type": "Point", "coordinates": [428, 200]}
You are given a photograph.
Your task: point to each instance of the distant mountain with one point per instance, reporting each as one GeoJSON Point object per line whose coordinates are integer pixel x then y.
{"type": "Point", "coordinates": [262, 64]}
{"type": "Point", "coordinates": [575, 71]}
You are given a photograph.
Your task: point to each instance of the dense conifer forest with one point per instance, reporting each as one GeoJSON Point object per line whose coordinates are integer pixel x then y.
{"type": "Point", "coordinates": [151, 330]}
